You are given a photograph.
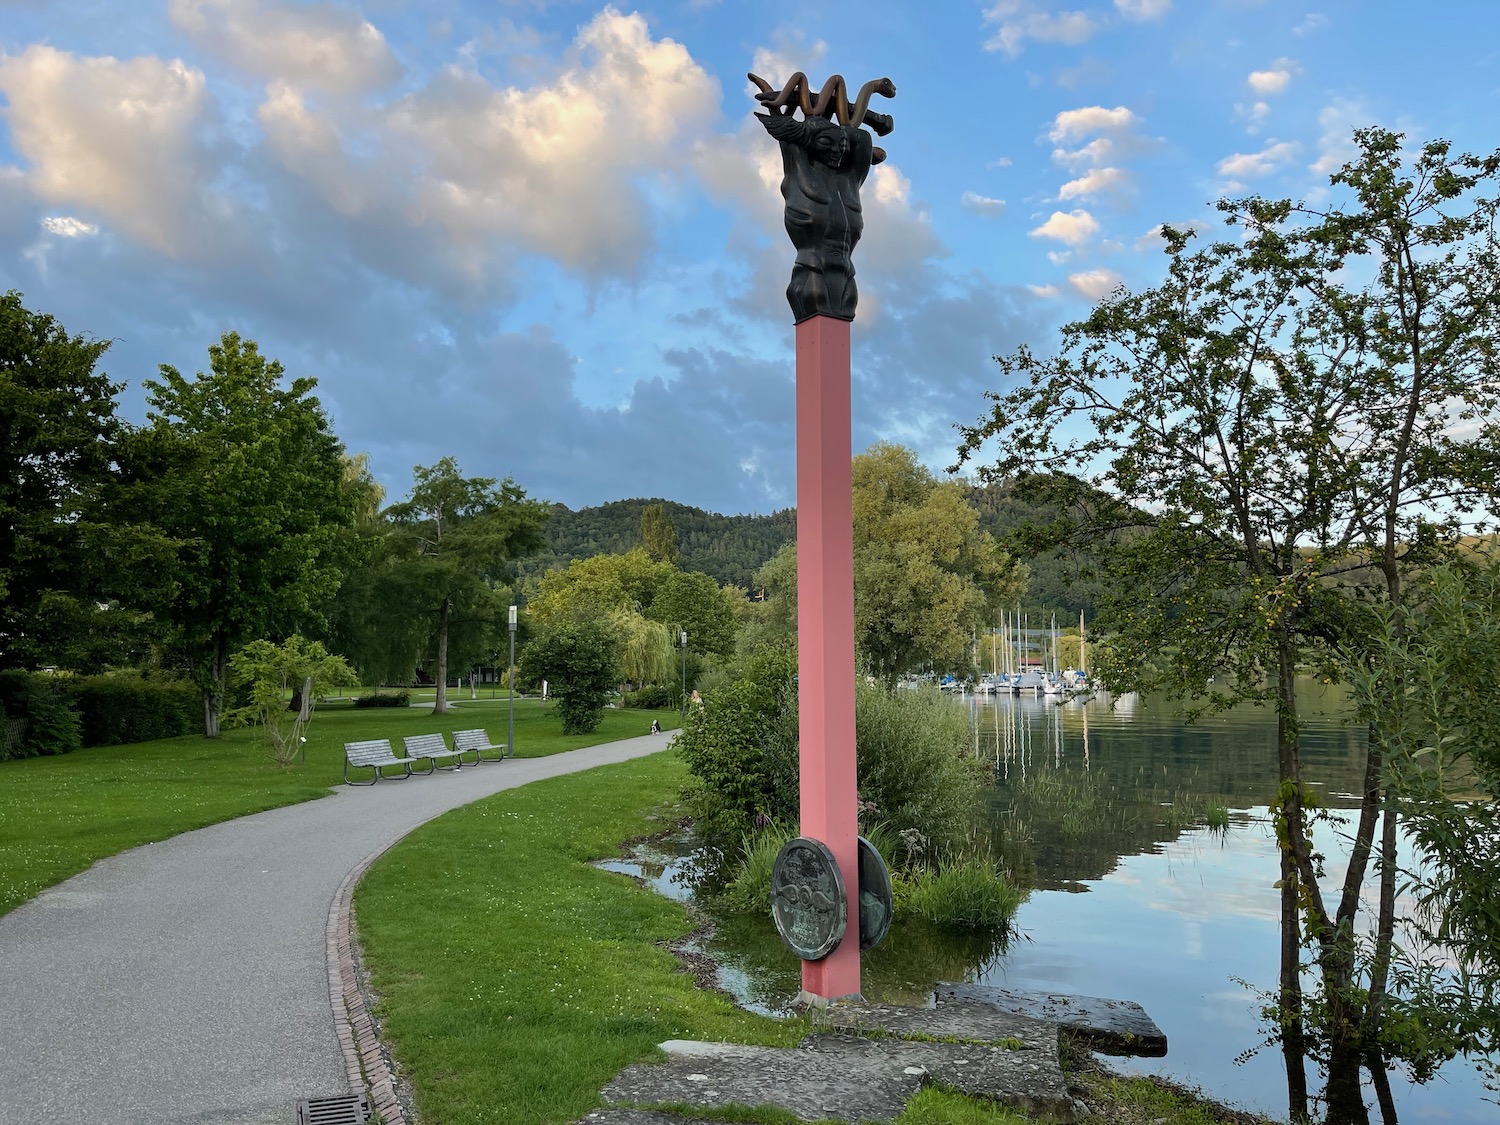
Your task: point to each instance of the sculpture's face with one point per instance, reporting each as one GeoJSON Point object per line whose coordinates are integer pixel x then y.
{"type": "Point", "coordinates": [831, 146]}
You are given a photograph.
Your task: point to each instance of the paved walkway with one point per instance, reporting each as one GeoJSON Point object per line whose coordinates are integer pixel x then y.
{"type": "Point", "coordinates": [186, 981]}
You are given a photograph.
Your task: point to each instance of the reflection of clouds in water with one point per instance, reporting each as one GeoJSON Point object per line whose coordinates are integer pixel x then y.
{"type": "Point", "coordinates": [1233, 881]}
{"type": "Point", "coordinates": [1192, 945]}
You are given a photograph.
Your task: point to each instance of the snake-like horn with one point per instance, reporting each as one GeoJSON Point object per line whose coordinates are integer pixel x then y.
{"type": "Point", "coordinates": [832, 100]}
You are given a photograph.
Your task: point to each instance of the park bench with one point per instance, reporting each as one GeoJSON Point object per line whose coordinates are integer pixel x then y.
{"type": "Point", "coordinates": [374, 754]}
{"type": "Point", "coordinates": [478, 742]}
{"type": "Point", "coordinates": [433, 750]}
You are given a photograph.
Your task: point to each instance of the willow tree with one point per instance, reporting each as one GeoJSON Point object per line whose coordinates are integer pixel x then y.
{"type": "Point", "coordinates": [1266, 445]}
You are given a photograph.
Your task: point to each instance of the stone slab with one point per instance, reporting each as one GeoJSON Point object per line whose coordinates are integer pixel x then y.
{"type": "Point", "coordinates": [845, 1077]}
{"type": "Point", "coordinates": [640, 1117]}
{"type": "Point", "coordinates": [971, 1023]}
{"type": "Point", "coordinates": [1117, 1027]}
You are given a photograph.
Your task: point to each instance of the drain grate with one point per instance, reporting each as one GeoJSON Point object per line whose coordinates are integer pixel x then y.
{"type": "Point", "coordinates": [342, 1109]}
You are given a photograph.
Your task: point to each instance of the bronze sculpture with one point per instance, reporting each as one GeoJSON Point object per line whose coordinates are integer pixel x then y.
{"type": "Point", "coordinates": [824, 164]}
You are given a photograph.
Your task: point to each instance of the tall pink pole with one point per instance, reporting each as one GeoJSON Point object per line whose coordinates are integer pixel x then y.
{"type": "Point", "coordinates": [825, 628]}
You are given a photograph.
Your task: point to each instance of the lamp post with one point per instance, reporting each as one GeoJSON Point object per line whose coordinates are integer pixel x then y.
{"type": "Point", "coordinates": [684, 677]}
{"type": "Point", "coordinates": [510, 677]}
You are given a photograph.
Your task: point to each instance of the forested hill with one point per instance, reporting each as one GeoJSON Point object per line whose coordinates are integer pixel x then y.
{"type": "Point", "coordinates": [730, 548]}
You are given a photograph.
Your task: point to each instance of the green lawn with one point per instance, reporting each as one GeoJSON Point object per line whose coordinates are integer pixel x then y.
{"type": "Point", "coordinates": [59, 815]}
{"type": "Point", "coordinates": [539, 976]}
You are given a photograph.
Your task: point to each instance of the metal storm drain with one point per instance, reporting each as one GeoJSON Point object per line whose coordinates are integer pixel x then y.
{"type": "Point", "coordinates": [342, 1109]}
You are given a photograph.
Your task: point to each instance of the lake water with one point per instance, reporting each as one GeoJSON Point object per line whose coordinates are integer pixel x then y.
{"type": "Point", "coordinates": [1102, 807]}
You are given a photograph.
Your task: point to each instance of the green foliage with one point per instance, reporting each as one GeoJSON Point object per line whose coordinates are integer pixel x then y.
{"type": "Point", "coordinates": [741, 747]}
{"type": "Point", "coordinates": [35, 719]}
{"type": "Point", "coordinates": [272, 672]}
{"type": "Point", "coordinates": [748, 891]}
{"type": "Point", "coordinates": [116, 710]}
{"type": "Point", "coordinates": [386, 699]}
{"type": "Point", "coordinates": [917, 771]}
{"type": "Point", "coordinates": [1431, 698]}
{"type": "Point", "coordinates": [727, 548]}
{"type": "Point", "coordinates": [68, 557]}
{"type": "Point", "coordinates": [449, 543]}
{"type": "Point", "coordinates": [925, 576]}
{"type": "Point", "coordinates": [577, 659]}
{"type": "Point", "coordinates": [696, 603]}
{"type": "Point", "coordinates": [652, 699]}
{"type": "Point", "coordinates": [967, 892]}
{"type": "Point", "coordinates": [248, 477]}
{"type": "Point", "coordinates": [658, 536]}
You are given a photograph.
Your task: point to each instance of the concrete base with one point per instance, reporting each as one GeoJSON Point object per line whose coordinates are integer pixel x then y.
{"type": "Point", "coordinates": [806, 1000]}
{"type": "Point", "coordinates": [1115, 1027]}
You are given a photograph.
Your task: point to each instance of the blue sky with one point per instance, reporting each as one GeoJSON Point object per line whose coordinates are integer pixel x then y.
{"type": "Point", "coordinates": [544, 237]}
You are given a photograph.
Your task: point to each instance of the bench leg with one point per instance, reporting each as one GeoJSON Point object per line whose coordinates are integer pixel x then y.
{"type": "Point", "coordinates": [411, 762]}
{"type": "Point", "coordinates": [350, 781]}
{"type": "Point", "coordinates": [477, 757]}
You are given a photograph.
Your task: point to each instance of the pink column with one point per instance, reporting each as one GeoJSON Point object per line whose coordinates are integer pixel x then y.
{"type": "Point", "coordinates": [825, 627]}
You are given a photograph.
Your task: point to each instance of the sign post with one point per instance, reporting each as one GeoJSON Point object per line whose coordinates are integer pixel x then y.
{"type": "Point", "coordinates": [510, 677]}
{"type": "Point", "coordinates": [824, 163]}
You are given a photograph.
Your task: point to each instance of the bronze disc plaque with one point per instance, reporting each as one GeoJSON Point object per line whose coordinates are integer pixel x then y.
{"type": "Point", "coordinates": [875, 900]}
{"type": "Point", "coordinates": [808, 902]}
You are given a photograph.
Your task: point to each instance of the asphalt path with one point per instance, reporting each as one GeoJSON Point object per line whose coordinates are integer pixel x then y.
{"type": "Point", "coordinates": [186, 981]}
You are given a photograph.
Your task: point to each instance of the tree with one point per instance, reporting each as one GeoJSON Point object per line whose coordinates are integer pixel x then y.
{"type": "Point", "coordinates": [695, 602]}
{"type": "Point", "coordinates": [658, 536]}
{"type": "Point", "coordinates": [247, 476]}
{"type": "Point", "coordinates": [771, 617]}
{"type": "Point", "coordinates": [272, 673]}
{"type": "Point", "coordinates": [925, 576]}
{"type": "Point", "coordinates": [452, 539]}
{"type": "Point", "coordinates": [593, 588]}
{"type": "Point", "coordinates": [1426, 687]}
{"type": "Point", "coordinates": [577, 658]}
{"type": "Point", "coordinates": [1281, 447]}
{"type": "Point", "coordinates": [66, 560]}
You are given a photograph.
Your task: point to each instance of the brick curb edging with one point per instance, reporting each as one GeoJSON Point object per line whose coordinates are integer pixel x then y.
{"type": "Point", "coordinates": [364, 1061]}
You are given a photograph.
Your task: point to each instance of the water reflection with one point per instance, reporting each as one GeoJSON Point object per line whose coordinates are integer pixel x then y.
{"type": "Point", "coordinates": [1102, 806]}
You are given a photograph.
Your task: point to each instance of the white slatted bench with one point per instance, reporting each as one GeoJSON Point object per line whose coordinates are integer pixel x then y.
{"type": "Point", "coordinates": [431, 748]}
{"type": "Point", "coordinates": [375, 755]}
{"type": "Point", "coordinates": [477, 742]}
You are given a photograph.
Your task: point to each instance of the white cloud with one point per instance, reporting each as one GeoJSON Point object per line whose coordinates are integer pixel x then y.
{"type": "Point", "coordinates": [1274, 79]}
{"type": "Point", "coordinates": [1044, 291]}
{"type": "Point", "coordinates": [1075, 123]}
{"type": "Point", "coordinates": [982, 204]}
{"type": "Point", "coordinates": [1095, 182]}
{"type": "Point", "coordinates": [1000, 162]}
{"type": "Point", "coordinates": [1073, 227]}
{"type": "Point", "coordinates": [1094, 284]}
{"type": "Point", "coordinates": [1248, 165]}
{"type": "Point", "coordinates": [1059, 257]}
{"type": "Point", "coordinates": [115, 136]}
{"type": "Point", "coordinates": [1312, 22]}
{"type": "Point", "coordinates": [778, 63]}
{"type": "Point", "coordinates": [319, 46]}
{"type": "Point", "coordinates": [67, 226]}
{"type": "Point", "coordinates": [1020, 20]}
{"type": "Point", "coordinates": [1093, 154]}
{"type": "Point", "coordinates": [554, 168]}
{"type": "Point", "coordinates": [1143, 9]}
{"type": "Point", "coordinates": [1337, 120]}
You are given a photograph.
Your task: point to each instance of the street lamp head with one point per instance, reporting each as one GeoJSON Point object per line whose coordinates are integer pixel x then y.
{"type": "Point", "coordinates": [684, 638]}
{"type": "Point", "coordinates": [513, 617]}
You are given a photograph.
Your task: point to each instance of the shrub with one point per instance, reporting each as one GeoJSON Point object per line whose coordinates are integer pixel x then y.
{"type": "Point", "coordinates": [917, 771]}
{"type": "Point", "coordinates": [115, 710]}
{"type": "Point", "coordinates": [394, 699]}
{"type": "Point", "coordinates": [749, 891]}
{"type": "Point", "coordinates": [653, 698]}
{"type": "Point", "coordinates": [272, 672]}
{"type": "Point", "coordinates": [38, 720]}
{"type": "Point", "coordinates": [577, 659]}
{"type": "Point", "coordinates": [967, 893]}
{"type": "Point", "coordinates": [741, 746]}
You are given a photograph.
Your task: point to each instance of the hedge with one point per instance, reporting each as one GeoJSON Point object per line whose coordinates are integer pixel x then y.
{"type": "Point", "coordinates": [35, 718]}
{"type": "Point", "coordinates": [118, 709]}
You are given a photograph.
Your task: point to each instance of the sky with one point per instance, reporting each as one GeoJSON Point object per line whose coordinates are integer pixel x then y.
{"type": "Point", "coordinates": [544, 237]}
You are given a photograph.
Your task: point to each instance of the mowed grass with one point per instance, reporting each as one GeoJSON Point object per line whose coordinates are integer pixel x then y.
{"type": "Point", "coordinates": [514, 978]}
{"type": "Point", "coordinates": [60, 815]}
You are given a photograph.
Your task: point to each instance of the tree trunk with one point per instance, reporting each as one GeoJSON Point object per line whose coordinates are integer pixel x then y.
{"type": "Point", "coordinates": [213, 696]}
{"type": "Point", "coordinates": [1293, 1042]}
{"type": "Point", "coordinates": [440, 705]}
{"type": "Point", "coordinates": [305, 702]}
{"type": "Point", "coordinates": [1344, 1096]}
